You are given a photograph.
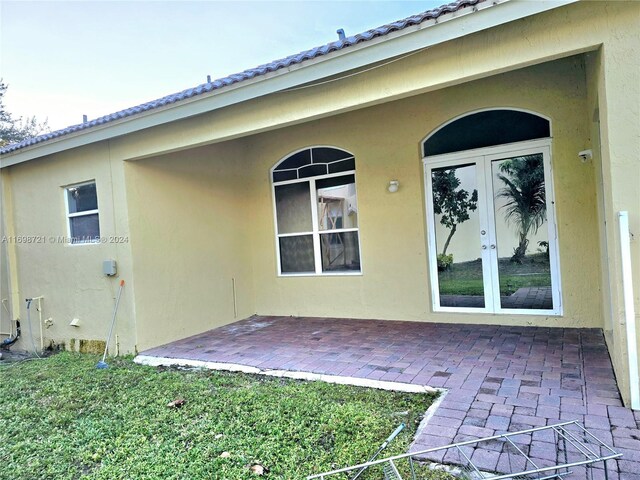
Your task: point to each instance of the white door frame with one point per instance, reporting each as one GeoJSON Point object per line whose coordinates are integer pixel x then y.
{"type": "Point", "coordinates": [482, 158]}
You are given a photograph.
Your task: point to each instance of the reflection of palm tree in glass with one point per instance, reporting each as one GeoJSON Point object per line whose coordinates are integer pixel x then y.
{"type": "Point", "coordinates": [524, 193]}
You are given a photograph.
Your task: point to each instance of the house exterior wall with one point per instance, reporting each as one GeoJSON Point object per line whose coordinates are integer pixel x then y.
{"type": "Point", "coordinates": [69, 277]}
{"type": "Point", "coordinates": [386, 141]}
{"type": "Point", "coordinates": [608, 29]}
{"type": "Point", "coordinates": [191, 234]}
{"type": "Point", "coordinates": [400, 102]}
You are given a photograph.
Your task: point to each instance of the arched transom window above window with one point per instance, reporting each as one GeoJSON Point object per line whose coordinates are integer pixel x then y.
{"type": "Point", "coordinates": [316, 213]}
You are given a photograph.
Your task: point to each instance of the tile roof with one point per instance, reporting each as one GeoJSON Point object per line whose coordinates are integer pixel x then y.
{"type": "Point", "coordinates": [250, 73]}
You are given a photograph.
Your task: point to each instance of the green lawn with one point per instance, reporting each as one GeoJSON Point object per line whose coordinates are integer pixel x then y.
{"type": "Point", "coordinates": [465, 278]}
{"type": "Point", "coordinates": [63, 419]}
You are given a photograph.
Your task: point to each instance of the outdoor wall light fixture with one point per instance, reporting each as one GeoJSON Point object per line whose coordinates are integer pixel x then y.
{"type": "Point", "coordinates": [393, 186]}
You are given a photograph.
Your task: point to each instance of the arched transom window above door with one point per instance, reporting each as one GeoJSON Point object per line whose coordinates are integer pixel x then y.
{"type": "Point", "coordinates": [486, 129]}
{"type": "Point", "coordinates": [316, 213]}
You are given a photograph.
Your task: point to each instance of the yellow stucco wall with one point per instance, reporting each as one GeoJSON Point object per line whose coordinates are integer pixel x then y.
{"type": "Point", "coordinates": [615, 138]}
{"type": "Point", "coordinates": [386, 142]}
{"type": "Point", "coordinates": [70, 276]}
{"type": "Point", "coordinates": [191, 234]}
{"type": "Point", "coordinates": [202, 217]}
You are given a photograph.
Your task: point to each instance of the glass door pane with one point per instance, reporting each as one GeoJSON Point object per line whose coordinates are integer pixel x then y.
{"type": "Point", "coordinates": [457, 229]}
{"type": "Point", "coordinates": [521, 246]}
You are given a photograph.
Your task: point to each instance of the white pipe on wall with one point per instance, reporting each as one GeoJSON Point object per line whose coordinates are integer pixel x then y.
{"type": "Point", "coordinates": [40, 322]}
{"type": "Point", "coordinates": [39, 309]}
{"type": "Point", "coordinates": [629, 310]}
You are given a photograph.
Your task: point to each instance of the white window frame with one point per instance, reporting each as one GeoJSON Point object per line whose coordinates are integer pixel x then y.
{"type": "Point", "coordinates": [69, 215]}
{"type": "Point", "coordinates": [483, 157]}
{"type": "Point", "coordinates": [315, 232]}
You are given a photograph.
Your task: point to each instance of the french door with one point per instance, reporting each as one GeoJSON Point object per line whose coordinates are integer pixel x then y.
{"type": "Point", "coordinates": [492, 231]}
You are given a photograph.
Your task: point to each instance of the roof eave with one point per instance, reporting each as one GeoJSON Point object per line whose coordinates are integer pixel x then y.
{"type": "Point", "coordinates": [447, 27]}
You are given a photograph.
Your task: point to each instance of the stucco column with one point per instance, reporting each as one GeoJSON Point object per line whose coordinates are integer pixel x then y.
{"type": "Point", "coordinates": [619, 112]}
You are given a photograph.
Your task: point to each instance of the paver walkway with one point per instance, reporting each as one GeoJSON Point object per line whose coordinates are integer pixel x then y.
{"type": "Point", "coordinates": [537, 298]}
{"type": "Point", "coordinates": [498, 378]}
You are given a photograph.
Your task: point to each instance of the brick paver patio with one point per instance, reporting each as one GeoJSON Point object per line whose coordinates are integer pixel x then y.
{"type": "Point", "coordinates": [498, 378]}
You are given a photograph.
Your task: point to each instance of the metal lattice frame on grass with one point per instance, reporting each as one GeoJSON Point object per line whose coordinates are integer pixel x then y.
{"type": "Point", "coordinates": [575, 450]}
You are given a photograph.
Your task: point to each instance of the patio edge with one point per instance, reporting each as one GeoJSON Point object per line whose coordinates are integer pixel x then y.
{"type": "Point", "coordinates": [154, 361]}
{"type": "Point", "coordinates": [309, 376]}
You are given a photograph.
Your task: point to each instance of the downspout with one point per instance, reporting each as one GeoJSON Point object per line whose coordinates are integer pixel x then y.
{"type": "Point", "coordinates": [7, 342]}
{"type": "Point", "coordinates": [11, 247]}
{"type": "Point", "coordinates": [13, 337]}
{"type": "Point", "coordinates": [629, 310]}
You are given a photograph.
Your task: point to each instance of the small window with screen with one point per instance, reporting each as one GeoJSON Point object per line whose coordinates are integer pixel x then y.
{"type": "Point", "coordinates": [82, 213]}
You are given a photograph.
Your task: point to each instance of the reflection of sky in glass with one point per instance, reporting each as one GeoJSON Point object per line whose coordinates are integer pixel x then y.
{"type": "Point", "coordinates": [465, 244]}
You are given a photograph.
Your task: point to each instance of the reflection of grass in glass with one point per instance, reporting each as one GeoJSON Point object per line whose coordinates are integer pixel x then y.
{"type": "Point", "coordinates": [465, 278]}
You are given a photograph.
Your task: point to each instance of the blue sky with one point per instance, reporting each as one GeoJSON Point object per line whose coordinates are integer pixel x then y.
{"type": "Point", "coordinates": [65, 59]}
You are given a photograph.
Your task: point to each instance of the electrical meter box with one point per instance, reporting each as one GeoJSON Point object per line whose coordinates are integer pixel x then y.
{"type": "Point", "coordinates": [109, 268]}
